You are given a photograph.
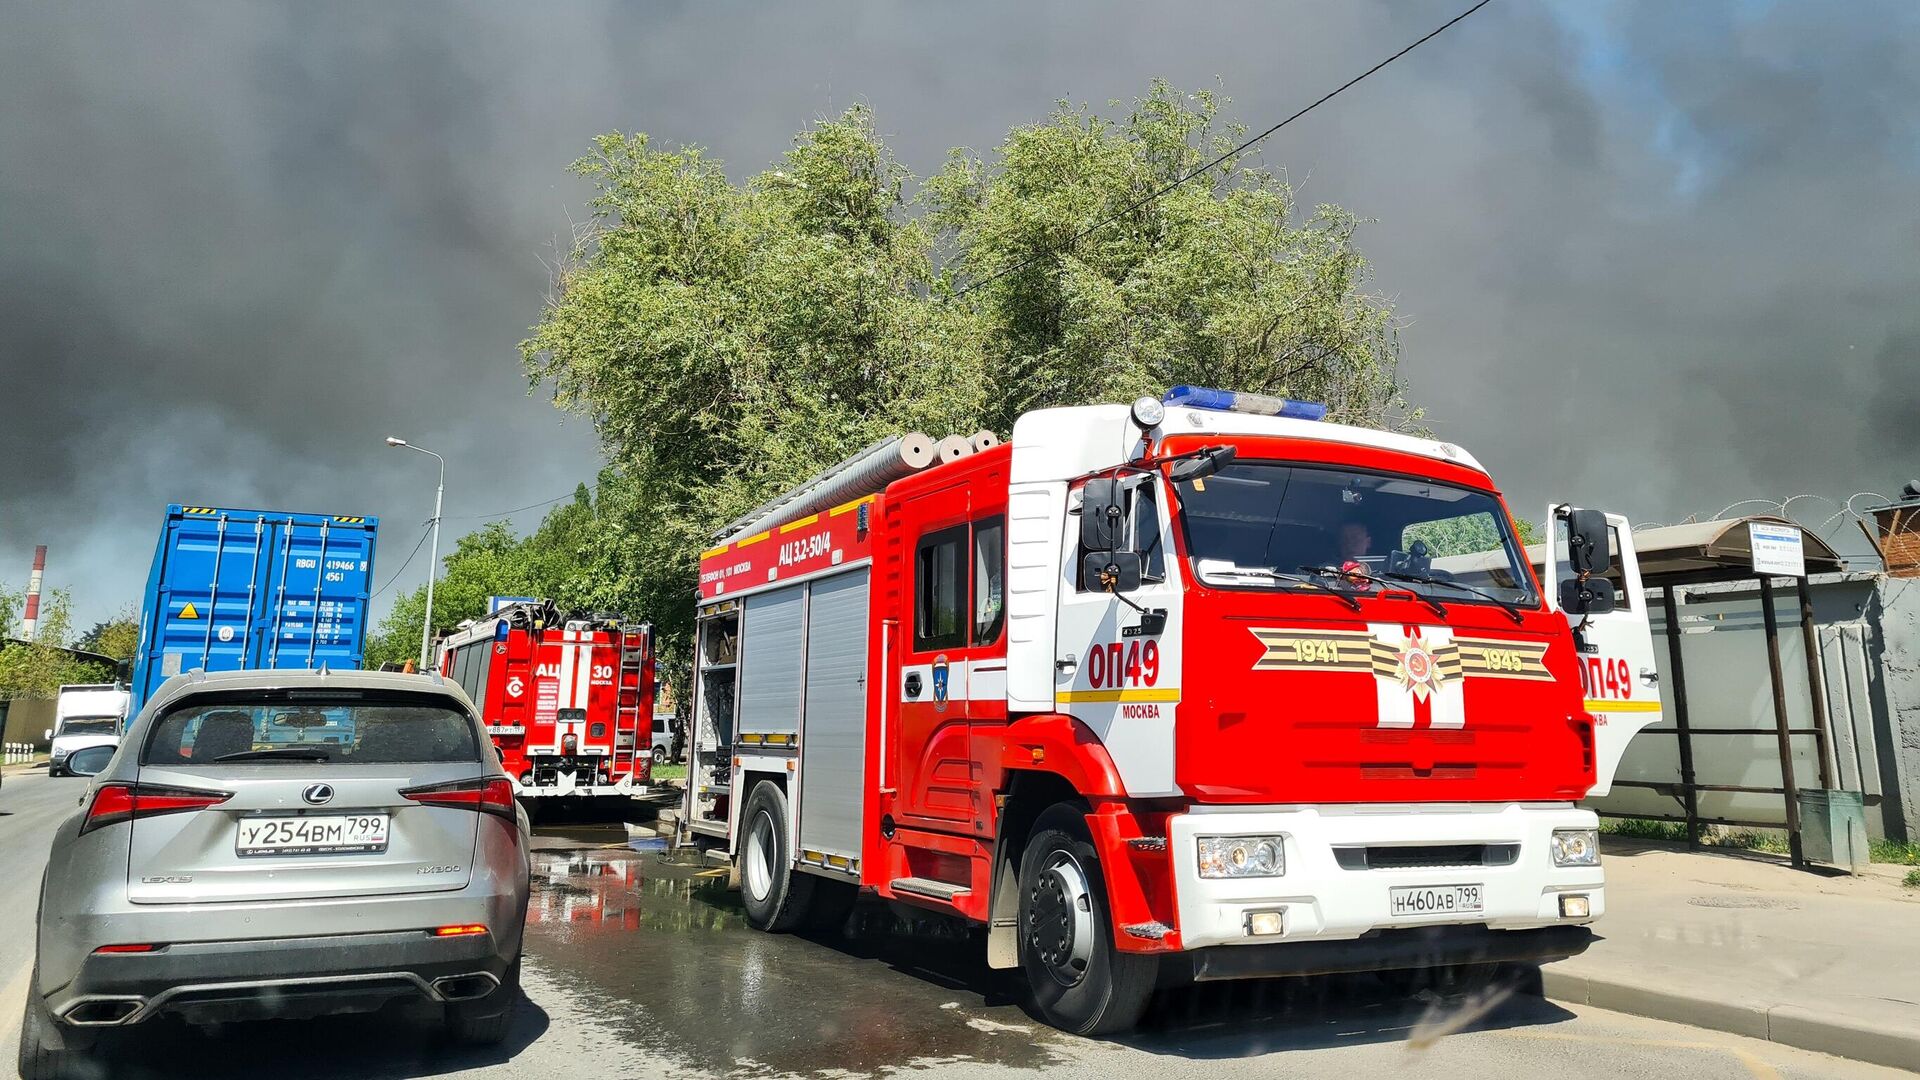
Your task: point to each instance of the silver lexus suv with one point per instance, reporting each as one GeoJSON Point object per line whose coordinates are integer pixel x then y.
{"type": "Point", "coordinates": [282, 844]}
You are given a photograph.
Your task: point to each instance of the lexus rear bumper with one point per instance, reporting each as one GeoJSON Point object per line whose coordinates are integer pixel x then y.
{"type": "Point", "coordinates": [211, 981]}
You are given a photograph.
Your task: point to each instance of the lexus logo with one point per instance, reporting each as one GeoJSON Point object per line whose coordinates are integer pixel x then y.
{"type": "Point", "coordinates": [318, 793]}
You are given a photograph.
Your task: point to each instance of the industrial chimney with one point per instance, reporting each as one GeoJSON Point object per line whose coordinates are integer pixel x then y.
{"type": "Point", "coordinates": [33, 593]}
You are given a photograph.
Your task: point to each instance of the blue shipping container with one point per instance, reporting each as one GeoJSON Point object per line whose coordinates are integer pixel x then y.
{"type": "Point", "coordinates": [254, 589]}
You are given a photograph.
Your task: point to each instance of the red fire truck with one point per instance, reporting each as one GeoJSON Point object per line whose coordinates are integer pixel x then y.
{"type": "Point", "coordinates": [568, 699]}
{"type": "Point", "coordinates": [1204, 687]}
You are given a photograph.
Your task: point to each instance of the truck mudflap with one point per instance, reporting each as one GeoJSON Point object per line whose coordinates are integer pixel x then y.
{"type": "Point", "coordinates": [1386, 950]}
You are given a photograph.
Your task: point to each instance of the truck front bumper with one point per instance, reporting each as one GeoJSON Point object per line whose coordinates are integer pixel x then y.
{"type": "Point", "coordinates": [566, 785]}
{"type": "Point", "coordinates": [1336, 889]}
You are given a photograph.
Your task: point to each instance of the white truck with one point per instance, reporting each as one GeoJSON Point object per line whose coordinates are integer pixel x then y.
{"type": "Point", "coordinates": [85, 714]}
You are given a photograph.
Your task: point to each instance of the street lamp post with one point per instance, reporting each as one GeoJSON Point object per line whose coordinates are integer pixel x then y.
{"type": "Point", "coordinates": [433, 564]}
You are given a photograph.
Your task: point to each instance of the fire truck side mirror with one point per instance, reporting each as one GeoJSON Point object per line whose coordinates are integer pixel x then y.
{"type": "Point", "coordinates": [1111, 571]}
{"type": "Point", "coordinates": [1588, 552]}
{"type": "Point", "coordinates": [1208, 463]}
{"type": "Point", "coordinates": [1101, 515]}
{"type": "Point", "coordinates": [1593, 596]}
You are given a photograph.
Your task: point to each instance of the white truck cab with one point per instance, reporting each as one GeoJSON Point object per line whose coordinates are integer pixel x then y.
{"type": "Point", "coordinates": [85, 714]}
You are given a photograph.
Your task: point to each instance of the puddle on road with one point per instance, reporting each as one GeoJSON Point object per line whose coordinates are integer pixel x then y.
{"type": "Point", "coordinates": [660, 946]}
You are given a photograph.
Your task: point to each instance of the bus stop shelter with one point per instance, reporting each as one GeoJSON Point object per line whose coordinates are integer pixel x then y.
{"type": "Point", "coordinates": [1713, 552]}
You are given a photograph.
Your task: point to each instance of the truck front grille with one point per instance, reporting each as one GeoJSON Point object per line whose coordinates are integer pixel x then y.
{"type": "Point", "coordinates": [1408, 857]}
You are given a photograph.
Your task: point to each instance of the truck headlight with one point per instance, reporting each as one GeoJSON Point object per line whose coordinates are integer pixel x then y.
{"type": "Point", "coordinates": [1576, 847]}
{"type": "Point", "coordinates": [1242, 856]}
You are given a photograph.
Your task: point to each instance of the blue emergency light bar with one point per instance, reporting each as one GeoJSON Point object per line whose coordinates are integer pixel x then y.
{"type": "Point", "coordinates": [1203, 397]}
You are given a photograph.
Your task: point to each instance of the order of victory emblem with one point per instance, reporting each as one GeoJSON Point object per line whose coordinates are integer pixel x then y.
{"type": "Point", "coordinates": [1416, 668]}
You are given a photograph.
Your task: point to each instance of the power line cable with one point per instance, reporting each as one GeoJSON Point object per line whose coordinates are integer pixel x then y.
{"type": "Point", "coordinates": [1209, 166]}
{"type": "Point", "coordinates": [591, 488]}
{"type": "Point", "coordinates": [403, 566]}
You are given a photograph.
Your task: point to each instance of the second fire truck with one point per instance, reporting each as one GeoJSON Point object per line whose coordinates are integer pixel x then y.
{"type": "Point", "coordinates": [1204, 687]}
{"type": "Point", "coordinates": [567, 699]}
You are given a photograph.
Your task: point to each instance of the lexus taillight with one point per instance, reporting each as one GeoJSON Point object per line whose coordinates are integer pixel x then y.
{"type": "Point", "coordinates": [487, 794]}
{"type": "Point", "coordinates": [114, 803]}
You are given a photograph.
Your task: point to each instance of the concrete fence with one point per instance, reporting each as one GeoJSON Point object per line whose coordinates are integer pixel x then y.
{"type": "Point", "coordinates": [14, 753]}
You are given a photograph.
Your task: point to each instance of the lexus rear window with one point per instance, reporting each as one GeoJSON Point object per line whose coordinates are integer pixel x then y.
{"type": "Point", "coordinates": [296, 728]}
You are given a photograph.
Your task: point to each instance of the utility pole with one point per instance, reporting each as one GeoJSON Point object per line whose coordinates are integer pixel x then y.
{"type": "Point", "coordinates": [433, 550]}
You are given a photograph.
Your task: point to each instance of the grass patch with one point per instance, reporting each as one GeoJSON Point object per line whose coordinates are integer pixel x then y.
{"type": "Point", "coordinates": [1774, 843]}
{"type": "Point", "coordinates": [1893, 851]}
{"type": "Point", "coordinates": [669, 772]}
{"type": "Point", "coordinates": [1912, 880]}
{"type": "Point", "coordinates": [1882, 850]}
{"type": "Point", "coordinates": [1644, 829]}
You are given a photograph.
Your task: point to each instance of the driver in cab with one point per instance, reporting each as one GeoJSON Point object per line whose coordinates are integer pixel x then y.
{"type": "Point", "coordinates": [1356, 545]}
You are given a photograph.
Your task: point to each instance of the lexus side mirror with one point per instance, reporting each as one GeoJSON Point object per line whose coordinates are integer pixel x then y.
{"type": "Point", "coordinates": [1111, 571]}
{"type": "Point", "coordinates": [1591, 597]}
{"type": "Point", "coordinates": [1100, 514]}
{"type": "Point", "coordinates": [1588, 552]}
{"type": "Point", "coordinates": [91, 761]}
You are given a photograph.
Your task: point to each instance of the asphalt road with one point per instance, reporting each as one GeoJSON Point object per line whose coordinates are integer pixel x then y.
{"type": "Point", "coordinates": [639, 965]}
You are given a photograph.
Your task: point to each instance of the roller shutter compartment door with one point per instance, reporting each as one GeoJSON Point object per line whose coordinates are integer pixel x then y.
{"type": "Point", "coordinates": [833, 746]}
{"type": "Point", "coordinates": [770, 657]}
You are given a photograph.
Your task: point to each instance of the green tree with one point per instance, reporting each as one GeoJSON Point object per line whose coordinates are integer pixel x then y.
{"type": "Point", "coordinates": [728, 340]}
{"type": "Point", "coordinates": [38, 669]}
{"type": "Point", "coordinates": [117, 637]}
{"type": "Point", "coordinates": [492, 561]}
{"type": "Point", "coordinates": [1218, 282]}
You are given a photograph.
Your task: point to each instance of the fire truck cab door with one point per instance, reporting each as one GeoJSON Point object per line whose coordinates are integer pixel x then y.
{"type": "Point", "coordinates": [1117, 669]}
{"type": "Point", "coordinates": [933, 765]}
{"type": "Point", "coordinates": [1618, 677]}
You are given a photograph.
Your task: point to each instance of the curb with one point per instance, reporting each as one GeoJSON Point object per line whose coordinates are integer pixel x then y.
{"type": "Point", "coordinates": [1788, 1025]}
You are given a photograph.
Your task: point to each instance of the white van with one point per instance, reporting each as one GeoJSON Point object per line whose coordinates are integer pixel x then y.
{"type": "Point", "coordinates": [663, 732]}
{"type": "Point", "coordinates": [86, 714]}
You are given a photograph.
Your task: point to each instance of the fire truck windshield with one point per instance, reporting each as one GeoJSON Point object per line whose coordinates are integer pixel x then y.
{"type": "Point", "coordinates": [1254, 524]}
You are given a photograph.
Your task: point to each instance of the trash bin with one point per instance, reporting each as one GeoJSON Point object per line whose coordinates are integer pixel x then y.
{"type": "Point", "coordinates": [1833, 828]}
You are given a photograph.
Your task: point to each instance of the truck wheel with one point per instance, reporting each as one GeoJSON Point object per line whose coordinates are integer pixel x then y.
{"type": "Point", "coordinates": [1080, 982]}
{"type": "Point", "coordinates": [776, 897]}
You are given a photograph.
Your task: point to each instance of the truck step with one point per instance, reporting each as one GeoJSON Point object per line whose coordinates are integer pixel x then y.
{"type": "Point", "coordinates": [931, 889]}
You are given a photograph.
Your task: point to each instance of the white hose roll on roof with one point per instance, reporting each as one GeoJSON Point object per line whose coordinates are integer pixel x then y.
{"type": "Point", "coordinates": [865, 473]}
{"type": "Point", "coordinates": [952, 448]}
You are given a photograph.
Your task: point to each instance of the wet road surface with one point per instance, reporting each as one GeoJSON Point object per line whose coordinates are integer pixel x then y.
{"type": "Point", "coordinates": [639, 963]}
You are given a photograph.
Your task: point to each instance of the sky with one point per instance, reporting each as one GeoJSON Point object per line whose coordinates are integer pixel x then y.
{"type": "Point", "coordinates": [1651, 257]}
